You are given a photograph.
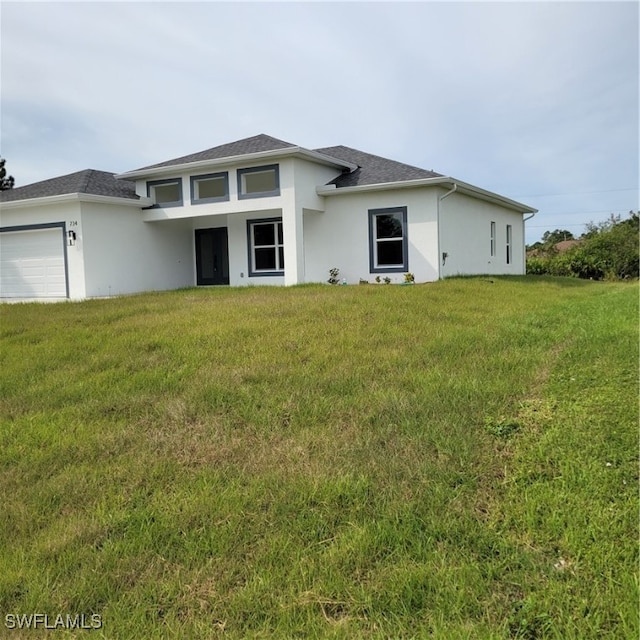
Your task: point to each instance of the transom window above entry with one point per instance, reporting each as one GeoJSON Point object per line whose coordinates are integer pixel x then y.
{"type": "Point", "coordinates": [212, 187]}
{"type": "Point", "coordinates": [165, 193]}
{"type": "Point", "coordinates": [388, 246]}
{"type": "Point", "coordinates": [259, 182]}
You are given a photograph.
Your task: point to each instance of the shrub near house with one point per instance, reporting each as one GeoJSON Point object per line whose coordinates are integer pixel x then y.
{"type": "Point", "coordinates": [607, 251]}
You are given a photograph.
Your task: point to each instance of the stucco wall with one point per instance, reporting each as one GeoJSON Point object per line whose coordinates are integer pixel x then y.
{"type": "Point", "coordinates": [236, 225]}
{"type": "Point", "coordinates": [465, 235]}
{"type": "Point", "coordinates": [233, 205]}
{"type": "Point", "coordinates": [298, 181]}
{"type": "Point", "coordinates": [123, 254]}
{"type": "Point", "coordinates": [339, 237]}
{"type": "Point", "coordinates": [68, 212]}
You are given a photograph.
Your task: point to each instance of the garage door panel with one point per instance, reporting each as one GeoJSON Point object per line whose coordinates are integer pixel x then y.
{"type": "Point", "coordinates": [32, 264]}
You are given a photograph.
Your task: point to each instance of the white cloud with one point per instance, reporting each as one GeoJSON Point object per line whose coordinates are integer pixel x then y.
{"type": "Point", "coordinates": [522, 98]}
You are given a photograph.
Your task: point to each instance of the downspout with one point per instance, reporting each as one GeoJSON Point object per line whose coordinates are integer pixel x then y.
{"type": "Point", "coordinates": [524, 241]}
{"type": "Point", "coordinates": [442, 257]}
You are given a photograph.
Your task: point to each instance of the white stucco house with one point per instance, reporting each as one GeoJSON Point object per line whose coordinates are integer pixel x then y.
{"type": "Point", "coordinates": [255, 211]}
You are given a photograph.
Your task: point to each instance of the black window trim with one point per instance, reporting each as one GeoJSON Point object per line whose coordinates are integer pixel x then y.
{"type": "Point", "coordinates": [207, 176]}
{"type": "Point", "coordinates": [259, 194]}
{"type": "Point", "coordinates": [404, 267]}
{"type": "Point", "coordinates": [250, 248]}
{"type": "Point", "coordinates": [157, 183]}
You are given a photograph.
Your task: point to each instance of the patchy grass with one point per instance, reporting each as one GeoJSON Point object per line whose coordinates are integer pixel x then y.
{"type": "Point", "coordinates": [455, 460]}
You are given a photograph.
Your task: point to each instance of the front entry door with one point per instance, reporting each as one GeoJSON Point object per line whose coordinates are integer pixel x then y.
{"type": "Point", "coordinates": [212, 256]}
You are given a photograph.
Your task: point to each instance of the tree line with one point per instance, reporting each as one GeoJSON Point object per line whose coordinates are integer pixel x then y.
{"type": "Point", "coordinates": [6, 182]}
{"type": "Point", "coordinates": [607, 250]}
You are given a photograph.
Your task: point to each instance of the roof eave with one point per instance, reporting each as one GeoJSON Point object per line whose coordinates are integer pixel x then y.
{"type": "Point", "coordinates": [323, 158]}
{"type": "Point", "coordinates": [332, 190]}
{"type": "Point", "coordinates": [483, 194]}
{"type": "Point", "coordinates": [75, 197]}
{"type": "Point", "coordinates": [462, 187]}
{"type": "Point", "coordinates": [237, 159]}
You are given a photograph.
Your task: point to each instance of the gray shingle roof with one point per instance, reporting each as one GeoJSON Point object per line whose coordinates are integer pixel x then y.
{"type": "Point", "coordinates": [373, 169]}
{"type": "Point", "coordinates": [91, 181]}
{"type": "Point", "coordinates": [255, 144]}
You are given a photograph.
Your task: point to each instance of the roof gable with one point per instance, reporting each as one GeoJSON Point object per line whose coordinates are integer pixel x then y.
{"type": "Point", "coordinates": [255, 144]}
{"type": "Point", "coordinates": [373, 169]}
{"type": "Point", "coordinates": [90, 181]}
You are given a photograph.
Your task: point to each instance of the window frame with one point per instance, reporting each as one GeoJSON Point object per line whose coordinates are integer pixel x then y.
{"type": "Point", "coordinates": [509, 244]}
{"type": "Point", "coordinates": [151, 186]}
{"type": "Point", "coordinates": [242, 195]}
{"type": "Point", "coordinates": [374, 267]}
{"type": "Point", "coordinates": [257, 273]}
{"type": "Point", "coordinates": [208, 176]}
{"type": "Point", "coordinates": [493, 239]}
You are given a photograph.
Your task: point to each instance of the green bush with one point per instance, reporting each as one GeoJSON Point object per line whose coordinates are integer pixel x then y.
{"type": "Point", "coordinates": [537, 266]}
{"type": "Point", "coordinates": [608, 251]}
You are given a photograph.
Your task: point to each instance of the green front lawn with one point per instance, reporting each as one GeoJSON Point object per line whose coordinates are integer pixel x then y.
{"type": "Point", "coordinates": [452, 460]}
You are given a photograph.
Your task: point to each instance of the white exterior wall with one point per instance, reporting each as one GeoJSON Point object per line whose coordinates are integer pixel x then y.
{"type": "Point", "coordinates": [339, 237]}
{"type": "Point", "coordinates": [301, 197]}
{"type": "Point", "coordinates": [121, 249]}
{"type": "Point", "coordinates": [233, 205]}
{"type": "Point", "coordinates": [298, 181]}
{"type": "Point", "coordinates": [465, 235]}
{"type": "Point", "coordinates": [67, 211]}
{"type": "Point", "coordinates": [123, 254]}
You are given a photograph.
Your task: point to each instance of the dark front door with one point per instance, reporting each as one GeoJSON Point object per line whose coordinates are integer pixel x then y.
{"type": "Point", "coordinates": [212, 256]}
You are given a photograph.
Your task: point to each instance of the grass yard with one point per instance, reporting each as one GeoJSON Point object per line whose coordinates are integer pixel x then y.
{"type": "Point", "coordinates": [453, 460]}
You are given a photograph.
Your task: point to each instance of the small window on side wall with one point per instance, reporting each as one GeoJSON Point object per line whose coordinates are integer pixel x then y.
{"type": "Point", "coordinates": [388, 244]}
{"type": "Point", "coordinates": [493, 239]}
{"type": "Point", "coordinates": [165, 193]}
{"type": "Point", "coordinates": [259, 182]}
{"type": "Point", "coordinates": [509, 248]}
{"type": "Point", "coordinates": [266, 247]}
{"type": "Point", "coordinates": [212, 187]}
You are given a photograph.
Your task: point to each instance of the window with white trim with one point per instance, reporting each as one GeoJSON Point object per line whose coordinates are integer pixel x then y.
{"type": "Point", "coordinates": [509, 234]}
{"type": "Point", "coordinates": [165, 193]}
{"type": "Point", "coordinates": [493, 239]}
{"type": "Point", "coordinates": [212, 187]}
{"type": "Point", "coordinates": [388, 245]}
{"type": "Point", "coordinates": [266, 247]}
{"type": "Point", "coordinates": [259, 182]}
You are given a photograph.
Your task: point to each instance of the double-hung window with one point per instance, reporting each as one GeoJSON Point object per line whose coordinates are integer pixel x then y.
{"type": "Point", "coordinates": [509, 234]}
{"type": "Point", "coordinates": [266, 247]}
{"type": "Point", "coordinates": [212, 187]}
{"type": "Point", "coordinates": [388, 245]}
{"type": "Point", "coordinates": [165, 193]}
{"type": "Point", "coordinates": [259, 182]}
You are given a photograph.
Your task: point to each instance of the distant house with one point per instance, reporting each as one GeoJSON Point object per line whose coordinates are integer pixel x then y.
{"type": "Point", "coordinates": [255, 211]}
{"type": "Point", "coordinates": [564, 245]}
{"type": "Point", "coordinates": [559, 247]}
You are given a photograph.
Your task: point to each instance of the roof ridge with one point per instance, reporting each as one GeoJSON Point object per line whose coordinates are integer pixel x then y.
{"type": "Point", "coordinates": [86, 175]}
{"type": "Point", "coordinates": [244, 146]}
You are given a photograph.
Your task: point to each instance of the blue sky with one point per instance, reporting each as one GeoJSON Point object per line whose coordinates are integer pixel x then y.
{"type": "Point", "coordinates": [536, 101]}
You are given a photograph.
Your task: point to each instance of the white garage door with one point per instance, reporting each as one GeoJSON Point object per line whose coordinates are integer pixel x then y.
{"type": "Point", "coordinates": [32, 263]}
